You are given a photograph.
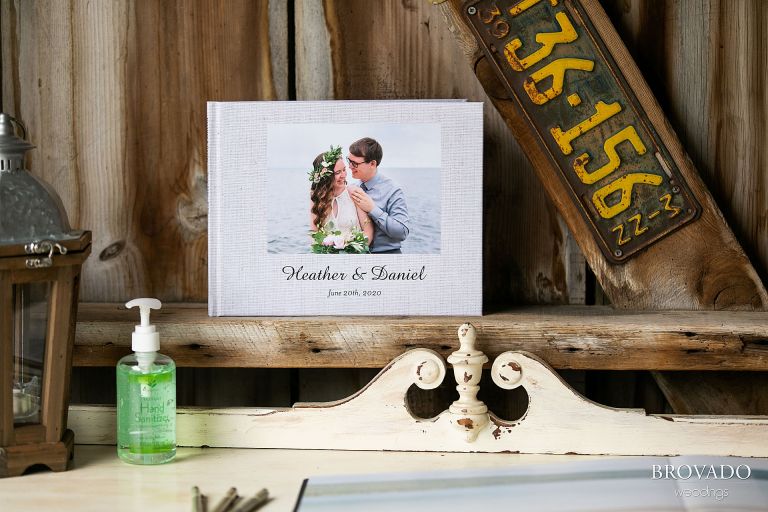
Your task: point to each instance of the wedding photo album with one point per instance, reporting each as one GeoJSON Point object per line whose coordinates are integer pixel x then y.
{"type": "Point", "coordinates": [345, 208]}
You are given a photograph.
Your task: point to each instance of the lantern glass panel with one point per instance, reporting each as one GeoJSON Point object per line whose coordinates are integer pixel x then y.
{"type": "Point", "coordinates": [30, 326]}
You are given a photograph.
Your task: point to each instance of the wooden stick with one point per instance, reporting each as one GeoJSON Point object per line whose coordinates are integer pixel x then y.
{"type": "Point", "coordinates": [197, 500]}
{"type": "Point", "coordinates": [249, 505]}
{"type": "Point", "coordinates": [227, 501]}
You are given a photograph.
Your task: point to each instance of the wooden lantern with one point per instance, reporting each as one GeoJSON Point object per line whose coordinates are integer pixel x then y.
{"type": "Point", "coordinates": [40, 261]}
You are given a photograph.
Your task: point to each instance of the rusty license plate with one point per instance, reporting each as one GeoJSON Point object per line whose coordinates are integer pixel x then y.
{"type": "Point", "coordinates": [573, 95]}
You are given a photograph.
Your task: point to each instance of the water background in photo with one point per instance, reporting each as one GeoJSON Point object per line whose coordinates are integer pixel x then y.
{"type": "Point", "coordinates": [289, 204]}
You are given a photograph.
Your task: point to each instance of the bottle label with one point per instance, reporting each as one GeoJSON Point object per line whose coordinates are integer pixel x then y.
{"type": "Point", "coordinates": [146, 412]}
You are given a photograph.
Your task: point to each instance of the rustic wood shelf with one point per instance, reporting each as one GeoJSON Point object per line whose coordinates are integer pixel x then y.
{"type": "Point", "coordinates": [569, 337]}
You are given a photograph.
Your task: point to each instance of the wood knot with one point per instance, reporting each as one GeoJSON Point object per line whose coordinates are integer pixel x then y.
{"type": "Point", "coordinates": [192, 209]}
{"type": "Point", "coordinates": [112, 250]}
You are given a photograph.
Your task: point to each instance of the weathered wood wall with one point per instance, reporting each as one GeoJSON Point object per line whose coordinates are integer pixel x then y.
{"type": "Point", "coordinates": [707, 63]}
{"type": "Point", "coordinates": [113, 94]}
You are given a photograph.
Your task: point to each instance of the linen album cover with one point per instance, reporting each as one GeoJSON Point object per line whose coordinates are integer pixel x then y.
{"type": "Point", "coordinates": [345, 208]}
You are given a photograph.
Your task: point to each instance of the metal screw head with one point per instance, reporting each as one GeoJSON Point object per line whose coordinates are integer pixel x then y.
{"type": "Point", "coordinates": [618, 253]}
{"type": "Point", "coordinates": [675, 190]}
{"type": "Point", "coordinates": [472, 10]}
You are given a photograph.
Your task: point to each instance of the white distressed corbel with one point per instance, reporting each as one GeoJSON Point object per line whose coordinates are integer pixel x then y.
{"type": "Point", "coordinates": [469, 415]}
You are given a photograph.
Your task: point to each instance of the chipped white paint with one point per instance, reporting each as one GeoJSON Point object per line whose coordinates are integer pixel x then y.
{"type": "Point", "coordinates": [558, 419]}
{"type": "Point", "coordinates": [429, 373]}
{"type": "Point", "coordinates": [469, 415]}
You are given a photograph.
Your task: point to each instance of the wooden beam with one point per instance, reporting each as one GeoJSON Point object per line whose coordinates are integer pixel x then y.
{"type": "Point", "coordinates": [700, 265]}
{"type": "Point", "coordinates": [567, 337]}
{"type": "Point", "coordinates": [729, 393]}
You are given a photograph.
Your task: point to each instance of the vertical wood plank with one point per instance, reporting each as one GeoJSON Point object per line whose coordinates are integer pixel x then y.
{"type": "Point", "coordinates": [74, 300]}
{"type": "Point", "coordinates": [106, 159]}
{"type": "Point", "coordinates": [706, 60]}
{"type": "Point", "coordinates": [314, 64]}
{"type": "Point", "coordinates": [43, 70]}
{"type": "Point", "coordinates": [198, 51]}
{"type": "Point", "coordinates": [6, 361]}
{"type": "Point", "coordinates": [113, 94]}
{"type": "Point", "coordinates": [670, 41]}
{"type": "Point", "coordinates": [279, 61]}
{"type": "Point", "coordinates": [737, 134]}
{"type": "Point", "coordinates": [54, 386]}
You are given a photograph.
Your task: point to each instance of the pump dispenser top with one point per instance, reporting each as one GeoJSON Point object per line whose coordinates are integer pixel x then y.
{"type": "Point", "coordinates": [145, 337]}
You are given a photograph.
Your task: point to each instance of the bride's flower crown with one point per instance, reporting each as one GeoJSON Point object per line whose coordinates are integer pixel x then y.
{"type": "Point", "coordinates": [326, 166]}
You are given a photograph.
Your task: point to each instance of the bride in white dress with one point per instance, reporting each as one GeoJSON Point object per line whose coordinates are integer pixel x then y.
{"type": "Point", "coordinates": [331, 202]}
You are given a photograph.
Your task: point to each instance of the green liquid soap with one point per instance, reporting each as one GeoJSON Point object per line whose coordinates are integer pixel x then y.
{"type": "Point", "coordinates": [146, 408]}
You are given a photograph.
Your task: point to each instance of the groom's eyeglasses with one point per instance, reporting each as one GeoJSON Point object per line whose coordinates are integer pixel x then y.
{"type": "Point", "coordinates": [354, 164]}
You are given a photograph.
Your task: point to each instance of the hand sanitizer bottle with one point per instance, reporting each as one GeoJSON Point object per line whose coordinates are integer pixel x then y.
{"type": "Point", "coordinates": [146, 396]}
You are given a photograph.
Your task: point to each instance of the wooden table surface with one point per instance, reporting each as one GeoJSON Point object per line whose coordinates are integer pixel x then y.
{"type": "Point", "coordinates": [98, 480]}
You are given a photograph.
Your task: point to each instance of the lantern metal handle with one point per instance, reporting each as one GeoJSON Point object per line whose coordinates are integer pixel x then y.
{"type": "Point", "coordinates": [20, 125]}
{"type": "Point", "coordinates": [41, 247]}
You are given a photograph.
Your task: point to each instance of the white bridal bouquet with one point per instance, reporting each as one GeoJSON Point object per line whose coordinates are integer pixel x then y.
{"type": "Point", "coordinates": [329, 240]}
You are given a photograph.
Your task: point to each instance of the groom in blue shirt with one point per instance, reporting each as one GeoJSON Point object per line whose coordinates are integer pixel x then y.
{"type": "Point", "coordinates": [378, 196]}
